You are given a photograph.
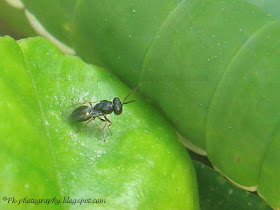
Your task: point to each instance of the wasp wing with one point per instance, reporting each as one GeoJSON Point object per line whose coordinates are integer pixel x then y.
{"type": "Point", "coordinates": [66, 113]}
{"type": "Point", "coordinates": [80, 112]}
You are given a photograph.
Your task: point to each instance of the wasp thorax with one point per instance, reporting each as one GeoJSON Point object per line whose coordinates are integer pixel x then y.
{"type": "Point", "coordinates": [104, 106]}
{"type": "Point", "coordinates": [117, 106]}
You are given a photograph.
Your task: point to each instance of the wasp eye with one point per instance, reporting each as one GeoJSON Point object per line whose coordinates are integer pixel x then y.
{"type": "Point", "coordinates": [117, 105]}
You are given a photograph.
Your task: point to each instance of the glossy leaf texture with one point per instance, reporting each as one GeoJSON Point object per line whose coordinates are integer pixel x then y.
{"type": "Point", "coordinates": [141, 165]}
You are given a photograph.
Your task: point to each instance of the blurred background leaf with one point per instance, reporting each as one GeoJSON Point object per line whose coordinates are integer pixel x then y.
{"type": "Point", "coordinates": [215, 192]}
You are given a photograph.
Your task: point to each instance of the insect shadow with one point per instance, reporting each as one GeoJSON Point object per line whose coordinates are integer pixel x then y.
{"type": "Point", "coordinates": [86, 112]}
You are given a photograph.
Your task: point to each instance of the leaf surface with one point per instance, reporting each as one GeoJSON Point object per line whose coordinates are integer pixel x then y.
{"type": "Point", "coordinates": [140, 165]}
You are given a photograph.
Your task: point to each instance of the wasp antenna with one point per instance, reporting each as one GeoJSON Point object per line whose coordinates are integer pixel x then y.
{"type": "Point", "coordinates": [129, 102]}
{"type": "Point", "coordinates": [132, 91]}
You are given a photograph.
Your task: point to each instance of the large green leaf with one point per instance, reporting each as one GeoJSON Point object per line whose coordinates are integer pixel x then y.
{"type": "Point", "coordinates": [215, 192]}
{"type": "Point", "coordinates": [244, 113]}
{"type": "Point", "coordinates": [193, 67]}
{"type": "Point", "coordinates": [54, 15]}
{"type": "Point", "coordinates": [141, 165]}
{"type": "Point", "coordinates": [175, 52]}
{"type": "Point", "coordinates": [271, 6]}
{"type": "Point", "coordinates": [14, 22]}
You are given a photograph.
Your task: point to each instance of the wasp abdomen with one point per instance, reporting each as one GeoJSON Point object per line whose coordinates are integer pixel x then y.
{"type": "Point", "coordinates": [80, 114]}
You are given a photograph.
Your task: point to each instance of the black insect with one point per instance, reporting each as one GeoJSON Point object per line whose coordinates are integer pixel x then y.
{"type": "Point", "coordinates": [87, 112]}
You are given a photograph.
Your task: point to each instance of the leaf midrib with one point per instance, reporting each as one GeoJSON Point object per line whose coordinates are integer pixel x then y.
{"type": "Point", "coordinates": [43, 117]}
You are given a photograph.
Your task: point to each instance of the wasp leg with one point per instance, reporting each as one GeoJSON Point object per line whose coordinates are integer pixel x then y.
{"type": "Point", "coordinates": [103, 130]}
{"type": "Point", "coordinates": [73, 101]}
{"type": "Point", "coordinates": [83, 102]}
{"type": "Point", "coordinates": [85, 124]}
{"type": "Point", "coordinates": [79, 102]}
{"type": "Point", "coordinates": [109, 124]}
{"type": "Point", "coordinates": [103, 127]}
{"type": "Point", "coordinates": [106, 120]}
{"type": "Point", "coordinates": [101, 119]}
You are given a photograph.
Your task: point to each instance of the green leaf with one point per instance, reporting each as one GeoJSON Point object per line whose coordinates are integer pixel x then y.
{"type": "Point", "coordinates": [244, 113]}
{"type": "Point", "coordinates": [54, 15]}
{"type": "Point", "coordinates": [132, 25]}
{"type": "Point", "coordinates": [211, 66]}
{"type": "Point", "coordinates": [215, 192]}
{"type": "Point", "coordinates": [141, 165]}
{"type": "Point", "coordinates": [271, 6]}
{"type": "Point", "coordinates": [14, 22]}
{"type": "Point", "coordinates": [159, 41]}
